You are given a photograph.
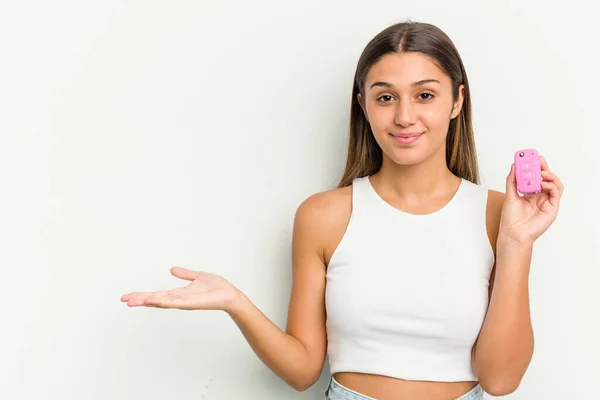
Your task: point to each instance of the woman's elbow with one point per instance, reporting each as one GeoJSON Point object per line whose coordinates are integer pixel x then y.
{"type": "Point", "coordinates": [303, 383]}
{"type": "Point", "coordinates": [499, 387]}
{"type": "Point", "coordinates": [302, 386]}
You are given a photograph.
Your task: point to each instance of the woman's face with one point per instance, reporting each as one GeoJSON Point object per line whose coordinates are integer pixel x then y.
{"type": "Point", "coordinates": [407, 94]}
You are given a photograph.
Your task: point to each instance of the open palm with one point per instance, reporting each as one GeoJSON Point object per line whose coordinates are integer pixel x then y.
{"type": "Point", "coordinates": [205, 292]}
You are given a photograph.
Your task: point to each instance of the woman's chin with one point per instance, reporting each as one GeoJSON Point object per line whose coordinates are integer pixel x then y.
{"type": "Point", "coordinates": [406, 157]}
{"type": "Point", "coordinates": [407, 160]}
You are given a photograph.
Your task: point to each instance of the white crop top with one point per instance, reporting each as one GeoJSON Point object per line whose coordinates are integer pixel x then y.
{"type": "Point", "coordinates": [406, 294]}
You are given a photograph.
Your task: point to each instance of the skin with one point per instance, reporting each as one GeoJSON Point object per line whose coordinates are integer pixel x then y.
{"type": "Point", "coordinates": [414, 179]}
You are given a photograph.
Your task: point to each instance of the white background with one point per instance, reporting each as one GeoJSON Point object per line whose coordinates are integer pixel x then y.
{"type": "Point", "coordinates": [138, 135]}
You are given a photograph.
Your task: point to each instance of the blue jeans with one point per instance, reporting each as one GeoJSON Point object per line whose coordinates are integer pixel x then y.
{"type": "Point", "coordinates": [335, 391]}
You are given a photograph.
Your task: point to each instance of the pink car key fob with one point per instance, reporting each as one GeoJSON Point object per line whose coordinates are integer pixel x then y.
{"type": "Point", "coordinates": [528, 171]}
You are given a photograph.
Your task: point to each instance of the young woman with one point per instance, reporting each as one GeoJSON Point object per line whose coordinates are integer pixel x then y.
{"type": "Point", "coordinates": [410, 275]}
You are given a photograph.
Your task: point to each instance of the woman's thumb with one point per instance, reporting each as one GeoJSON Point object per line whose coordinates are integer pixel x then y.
{"type": "Point", "coordinates": [511, 185]}
{"type": "Point", "coordinates": [184, 273]}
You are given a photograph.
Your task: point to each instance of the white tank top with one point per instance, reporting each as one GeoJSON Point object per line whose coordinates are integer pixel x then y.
{"type": "Point", "coordinates": [407, 294]}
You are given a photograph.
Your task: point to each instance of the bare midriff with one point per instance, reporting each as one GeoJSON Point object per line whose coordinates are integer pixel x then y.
{"type": "Point", "coordinates": [388, 388]}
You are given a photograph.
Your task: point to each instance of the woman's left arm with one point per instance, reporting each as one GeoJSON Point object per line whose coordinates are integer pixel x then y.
{"type": "Point", "coordinates": [505, 344]}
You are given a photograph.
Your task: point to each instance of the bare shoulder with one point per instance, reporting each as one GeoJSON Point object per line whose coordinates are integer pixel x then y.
{"type": "Point", "coordinates": [495, 201]}
{"type": "Point", "coordinates": [496, 198]}
{"type": "Point", "coordinates": [325, 215]}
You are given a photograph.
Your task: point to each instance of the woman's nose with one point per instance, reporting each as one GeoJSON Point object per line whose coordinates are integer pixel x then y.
{"type": "Point", "coordinates": [405, 114]}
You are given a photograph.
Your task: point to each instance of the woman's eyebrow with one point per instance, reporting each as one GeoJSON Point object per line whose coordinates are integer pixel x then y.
{"type": "Point", "coordinates": [418, 83]}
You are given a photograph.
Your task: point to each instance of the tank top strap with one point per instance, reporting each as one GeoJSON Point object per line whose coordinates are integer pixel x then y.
{"type": "Point", "coordinates": [364, 204]}
{"type": "Point", "coordinates": [474, 200]}
{"type": "Point", "coordinates": [473, 212]}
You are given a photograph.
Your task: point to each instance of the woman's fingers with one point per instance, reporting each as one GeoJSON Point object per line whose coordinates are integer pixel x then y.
{"type": "Point", "coordinates": [551, 177]}
{"type": "Point", "coordinates": [163, 299]}
{"type": "Point", "coordinates": [126, 297]}
{"type": "Point", "coordinates": [137, 295]}
{"type": "Point", "coordinates": [511, 185]}
{"type": "Point", "coordinates": [544, 164]}
{"type": "Point", "coordinates": [184, 273]}
{"type": "Point", "coordinates": [178, 272]}
{"type": "Point", "coordinates": [206, 291]}
{"type": "Point", "coordinates": [140, 298]}
{"type": "Point", "coordinates": [166, 301]}
{"type": "Point", "coordinates": [551, 187]}
{"type": "Point", "coordinates": [553, 192]}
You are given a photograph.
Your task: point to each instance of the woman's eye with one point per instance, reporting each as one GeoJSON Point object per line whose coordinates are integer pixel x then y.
{"type": "Point", "coordinates": [387, 95]}
{"type": "Point", "coordinates": [428, 96]}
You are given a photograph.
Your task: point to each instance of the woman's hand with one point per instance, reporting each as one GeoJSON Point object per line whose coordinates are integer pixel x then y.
{"type": "Point", "coordinates": [525, 218]}
{"type": "Point", "coordinates": [205, 292]}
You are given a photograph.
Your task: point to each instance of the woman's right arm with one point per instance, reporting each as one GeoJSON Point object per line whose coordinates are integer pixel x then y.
{"type": "Point", "coordinates": [296, 355]}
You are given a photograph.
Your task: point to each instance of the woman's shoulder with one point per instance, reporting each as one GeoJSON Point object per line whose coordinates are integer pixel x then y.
{"type": "Point", "coordinates": [495, 198]}
{"type": "Point", "coordinates": [324, 216]}
{"type": "Point", "coordinates": [325, 206]}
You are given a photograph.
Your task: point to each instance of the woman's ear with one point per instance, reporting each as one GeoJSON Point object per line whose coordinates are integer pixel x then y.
{"type": "Point", "coordinates": [360, 101]}
{"type": "Point", "coordinates": [459, 102]}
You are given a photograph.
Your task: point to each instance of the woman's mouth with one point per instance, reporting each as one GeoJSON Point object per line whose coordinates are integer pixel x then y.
{"type": "Point", "coordinates": [408, 138]}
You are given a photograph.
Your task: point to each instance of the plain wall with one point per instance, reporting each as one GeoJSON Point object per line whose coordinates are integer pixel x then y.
{"type": "Point", "coordinates": [139, 135]}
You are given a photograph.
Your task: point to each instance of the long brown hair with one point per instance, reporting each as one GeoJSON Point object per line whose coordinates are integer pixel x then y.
{"type": "Point", "coordinates": [364, 154]}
